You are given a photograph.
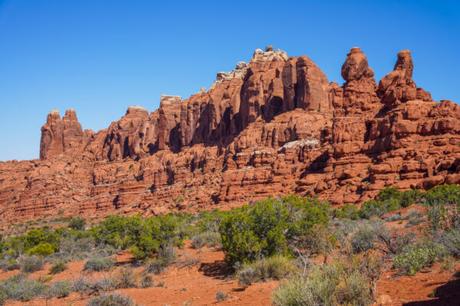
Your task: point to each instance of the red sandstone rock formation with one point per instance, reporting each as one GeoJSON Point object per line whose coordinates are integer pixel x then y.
{"type": "Point", "coordinates": [269, 127]}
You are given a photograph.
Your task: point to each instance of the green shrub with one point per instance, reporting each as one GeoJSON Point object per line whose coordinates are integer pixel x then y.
{"type": "Point", "coordinates": [395, 244]}
{"type": "Point", "coordinates": [418, 256]}
{"type": "Point", "coordinates": [363, 239]}
{"type": "Point", "coordinates": [221, 296]}
{"type": "Point", "coordinates": [42, 236]}
{"type": "Point", "coordinates": [389, 193]}
{"type": "Point", "coordinates": [77, 223]}
{"type": "Point", "coordinates": [378, 208]}
{"type": "Point", "coordinates": [156, 266]}
{"type": "Point", "coordinates": [209, 239]}
{"type": "Point", "coordinates": [265, 228]}
{"type": "Point", "coordinates": [9, 264]}
{"type": "Point", "coordinates": [317, 240]}
{"type": "Point", "coordinates": [85, 286]}
{"type": "Point", "coordinates": [113, 299]}
{"type": "Point", "coordinates": [99, 264]}
{"type": "Point", "coordinates": [104, 284]}
{"type": "Point", "coordinates": [348, 211]}
{"type": "Point", "coordinates": [410, 197]}
{"type": "Point", "coordinates": [392, 218]}
{"type": "Point", "coordinates": [3, 297]}
{"type": "Point", "coordinates": [143, 236]}
{"type": "Point", "coordinates": [437, 214]}
{"type": "Point", "coordinates": [331, 284]}
{"type": "Point", "coordinates": [451, 241]}
{"type": "Point", "coordinates": [275, 267]}
{"type": "Point", "coordinates": [58, 267]}
{"type": "Point", "coordinates": [443, 195]}
{"type": "Point", "coordinates": [125, 279]}
{"type": "Point", "coordinates": [59, 289]}
{"type": "Point", "coordinates": [294, 292]}
{"type": "Point", "coordinates": [82, 285]}
{"type": "Point", "coordinates": [20, 288]}
{"type": "Point", "coordinates": [41, 249]}
{"type": "Point", "coordinates": [209, 221]}
{"type": "Point", "coordinates": [414, 218]}
{"type": "Point", "coordinates": [30, 264]}
{"type": "Point", "coordinates": [146, 281]}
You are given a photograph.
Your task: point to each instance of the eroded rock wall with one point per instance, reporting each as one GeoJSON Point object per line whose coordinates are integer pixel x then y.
{"type": "Point", "coordinates": [272, 126]}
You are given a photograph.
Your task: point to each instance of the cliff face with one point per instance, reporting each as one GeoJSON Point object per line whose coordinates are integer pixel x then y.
{"type": "Point", "coordinates": [272, 126]}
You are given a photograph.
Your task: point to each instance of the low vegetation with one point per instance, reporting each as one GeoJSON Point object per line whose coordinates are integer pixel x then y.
{"type": "Point", "coordinates": [291, 239]}
{"type": "Point", "coordinates": [99, 264]}
{"type": "Point", "coordinates": [111, 300]}
{"type": "Point", "coordinates": [338, 283]}
{"type": "Point", "coordinates": [275, 267]}
{"type": "Point", "coordinates": [268, 227]}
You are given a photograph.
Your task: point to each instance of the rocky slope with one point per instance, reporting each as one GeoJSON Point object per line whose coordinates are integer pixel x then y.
{"type": "Point", "coordinates": [272, 126]}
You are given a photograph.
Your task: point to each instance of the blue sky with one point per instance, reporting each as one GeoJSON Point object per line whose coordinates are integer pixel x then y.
{"type": "Point", "coordinates": [101, 56]}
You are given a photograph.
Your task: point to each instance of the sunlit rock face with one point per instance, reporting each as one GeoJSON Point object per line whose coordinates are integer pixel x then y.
{"type": "Point", "coordinates": [272, 126]}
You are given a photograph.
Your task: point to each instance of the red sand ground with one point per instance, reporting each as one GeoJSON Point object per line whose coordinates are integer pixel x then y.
{"type": "Point", "coordinates": [199, 274]}
{"type": "Point", "coordinates": [189, 285]}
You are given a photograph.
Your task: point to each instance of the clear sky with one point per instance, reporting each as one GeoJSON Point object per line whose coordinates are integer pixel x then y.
{"type": "Point", "coordinates": [99, 57]}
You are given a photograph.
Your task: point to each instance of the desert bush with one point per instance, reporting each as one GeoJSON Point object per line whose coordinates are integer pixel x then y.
{"type": "Point", "coordinates": [363, 239]}
{"type": "Point", "coordinates": [410, 197]}
{"type": "Point", "coordinates": [221, 296]}
{"type": "Point", "coordinates": [389, 193]}
{"type": "Point", "coordinates": [331, 284]}
{"type": "Point", "coordinates": [59, 289]}
{"type": "Point", "coordinates": [370, 265]}
{"type": "Point", "coordinates": [58, 267]}
{"type": "Point", "coordinates": [317, 240]}
{"type": "Point", "coordinates": [155, 266]}
{"type": "Point", "coordinates": [418, 256]}
{"type": "Point", "coordinates": [20, 288]}
{"type": "Point", "coordinates": [187, 261]}
{"type": "Point", "coordinates": [451, 241]}
{"type": "Point", "coordinates": [448, 264]}
{"type": "Point", "coordinates": [294, 292]}
{"type": "Point", "coordinates": [40, 240]}
{"type": "Point", "coordinates": [30, 264]}
{"type": "Point", "coordinates": [143, 236]}
{"type": "Point", "coordinates": [275, 267]}
{"type": "Point", "coordinates": [76, 248]}
{"type": "Point", "coordinates": [77, 223]}
{"type": "Point", "coordinates": [105, 284]}
{"type": "Point", "coordinates": [392, 218]}
{"type": "Point", "coordinates": [9, 264]}
{"type": "Point", "coordinates": [443, 195]}
{"type": "Point", "coordinates": [42, 249]}
{"type": "Point", "coordinates": [378, 208]}
{"type": "Point", "coordinates": [209, 239]}
{"type": "Point", "coordinates": [209, 221]}
{"type": "Point", "coordinates": [395, 243]}
{"type": "Point", "coordinates": [437, 214]}
{"type": "Point", "coordinates": [113, 299]}
{"type": "Point", "coordinates": [86, 286]}
{"type": "Point", "coordinates": [3, 298]}
{"type": "Point", "coordinates": [265, 228]}
{"type": "Point", "coordinates": [146, 281]}
{"type": "Point", "coordinates": [99, 264]}
{"type": "Point", "coordinates": [414, 218]}
{"type": "Point", "coordinates": [166, 256]}
{"type": "Point", "coordinates": [125, 279]}
{"type": "Point", "coordinates": [82, 285]}
{"type": "Point", "coordinates": [348, 211]}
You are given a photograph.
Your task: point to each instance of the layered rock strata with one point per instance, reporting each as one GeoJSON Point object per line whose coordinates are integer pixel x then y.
{"type": "Point", "coordinates": [272, 126]}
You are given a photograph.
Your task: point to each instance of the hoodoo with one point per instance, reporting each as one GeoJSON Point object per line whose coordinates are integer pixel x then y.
{"type": "Point", "coordinates": [272, 126]}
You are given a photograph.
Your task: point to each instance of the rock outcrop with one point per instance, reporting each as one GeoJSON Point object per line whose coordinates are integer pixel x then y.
{"type": "Point", "coordinates": [272, 126]}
